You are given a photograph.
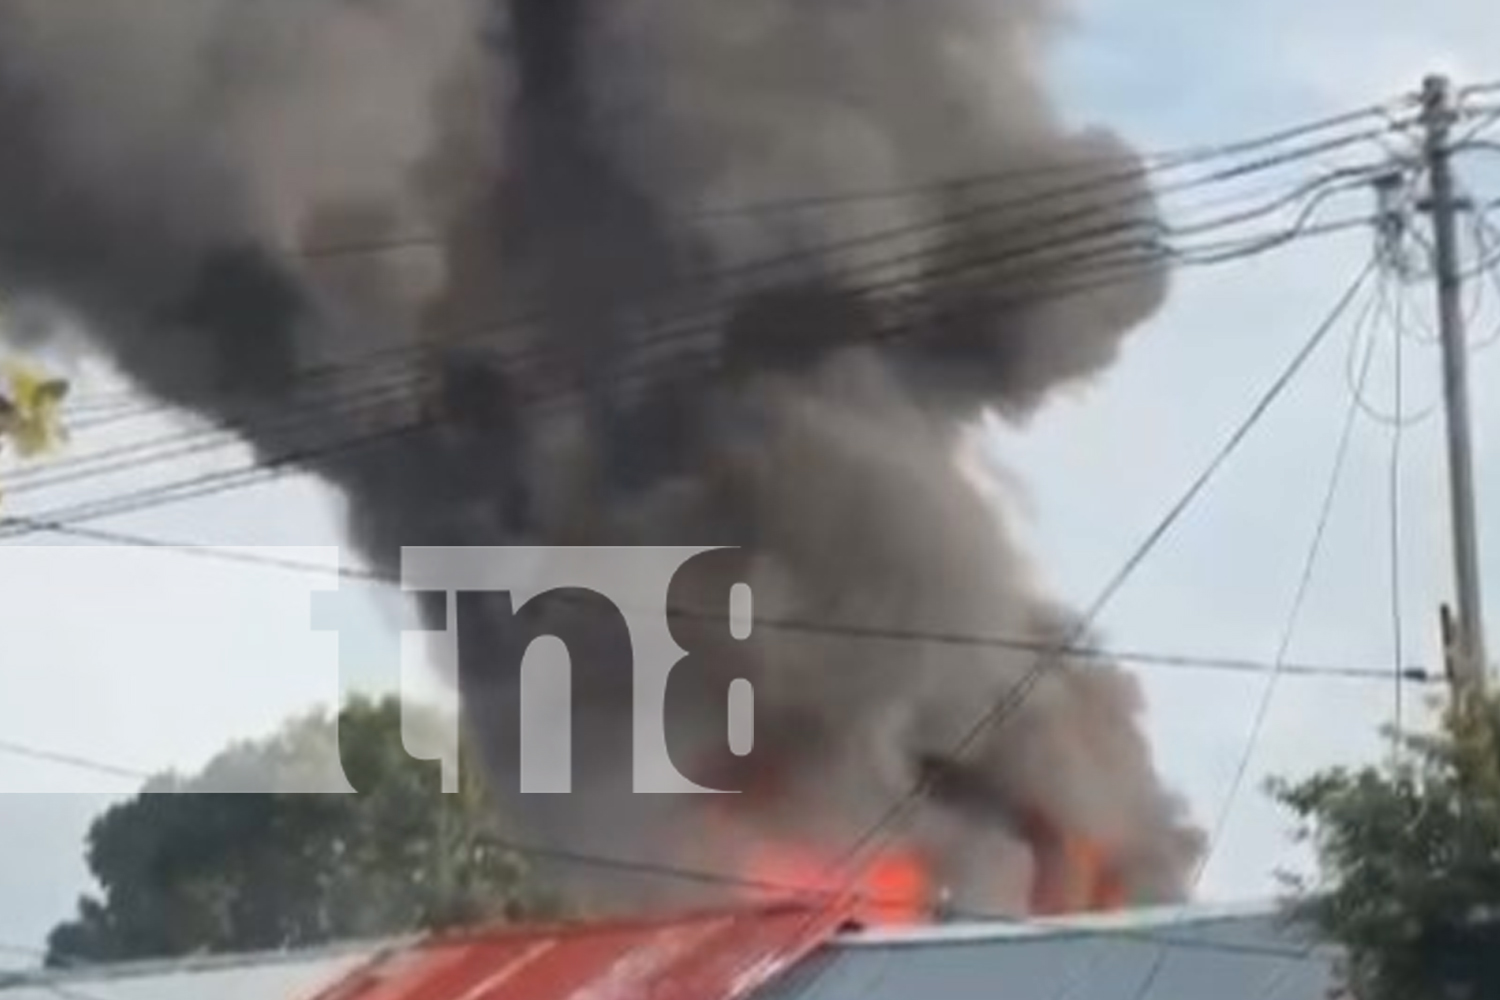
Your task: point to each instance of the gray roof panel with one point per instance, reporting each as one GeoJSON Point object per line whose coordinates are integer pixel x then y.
{"type": "Point", "coordinates": [1247, 957]}
{"type": "Point", "coordinates": [291, 977]}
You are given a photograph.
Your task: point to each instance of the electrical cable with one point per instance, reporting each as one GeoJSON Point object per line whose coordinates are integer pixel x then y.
{"type": "Point", "coordinates": [716, 309]}
{"type": "Point", "coordinates": [1125, 169]}
{"type": "Point", "coordinates": [215, 483]}
{"type": "Point", "coordinates": [1013, 699]}
{"type": "Point", "coordinates": [1476, 89]}
{"type": "Point", "coordinates": [1356, 380]}
{"type": "Point", "coordinates": [1045, 224]}
{"type": "Point", "coordinates": [1294, 614]}
{"type": "Point", "coordinates": [1393, 502]}
{"type": "Point", "coordinates": [230, 438]}
{"type": "Point", "coordinates": [25, 751]}
{"type": "Point", "coordinates": [270, 468]}
{"type": "Point", "coordinates": [52, 478]}
{"type": "Point", "coordinates": [197, 441]}
{"type": "Point", "coordinates": [225, 439]}
{"type": "Point", "coordinates": [218, 482]}
{"type": "Point", "coordinates": [1168, 661]}
{"type": "Point", "coordinates": [1483, 121]}
{"type": "Point", "coordinates": [682, 873]}
{"type": "Point", "coordinates": [1489, 271]}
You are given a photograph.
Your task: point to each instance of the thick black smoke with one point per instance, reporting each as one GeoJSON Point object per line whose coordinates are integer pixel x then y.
{"type": "Point", "coordinates": [591, 354]}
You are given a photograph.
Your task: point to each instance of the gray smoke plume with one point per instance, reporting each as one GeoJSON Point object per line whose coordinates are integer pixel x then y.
{"type": "Point", "coordinates": [596, 351]}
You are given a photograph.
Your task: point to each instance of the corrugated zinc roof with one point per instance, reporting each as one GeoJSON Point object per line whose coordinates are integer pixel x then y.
{"type": "Point", "coordinates": [720, 955]}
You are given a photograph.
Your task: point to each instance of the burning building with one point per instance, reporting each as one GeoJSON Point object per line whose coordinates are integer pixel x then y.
{"type": "Point", "coordinates": [583, 346]}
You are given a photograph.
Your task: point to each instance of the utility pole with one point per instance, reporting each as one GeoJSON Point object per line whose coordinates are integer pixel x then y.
{"type": "Point", "coordinates": [1438, 113]}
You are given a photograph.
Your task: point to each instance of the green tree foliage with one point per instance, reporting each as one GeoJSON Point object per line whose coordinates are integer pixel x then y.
{"type": "Point", "coordinates": [197, 872]}
{"type": "Point", "coordinates": [1411, 856]}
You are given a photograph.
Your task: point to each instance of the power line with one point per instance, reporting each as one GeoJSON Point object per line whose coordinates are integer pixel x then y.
{"type": "Point", "coordinates": [1116, 170]}
{"type": "Point", "coordinates": [195, 442]}
{"type": "Point", "coordinates": [1488, 267]}
{"type": "Point", "coordinates": [24, 751]}
{"type": "Point", "coordinates": [1393, 504]}
{"type": "Point", "coordinates": [1389, 304]}
{"type": "Point", "coordinates": [1470, 139]}
{"type": "Point", "coordinates": [1034, 225]}
{"type": "Point", "coordinates": [1474, 89]}
{"type": "Point", "coordinates": [198, 442]}
{"type": "Point", "coordinates": [268, 468]}
{"type": "Point", "coordinates": [1013, 699]}
{"type": "Point", "coordinates": [1374, 413]}
{"type": "Point", "coordinates": [271, 468]}
{"type": "Point", "coordinates": [215, 483]}
{"type": "Point", "coordinates": [656, 340]}
{"type": "Point", "coordinates": [704, 876]}
{"type": "Point", "coordinates": [1199, 155]}
{"type": "Point", "coordinates": [1168, 661]}
{"type": "Point", "coordinates": [1299, 600]}
{"type": "Point", "coordinates": [709, 323]}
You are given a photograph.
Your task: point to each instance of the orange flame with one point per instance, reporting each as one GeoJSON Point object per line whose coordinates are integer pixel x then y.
{"type": "Point", "coordinates": [896, 889]}
{"type": "Point", "coordinates": [1075, 876]}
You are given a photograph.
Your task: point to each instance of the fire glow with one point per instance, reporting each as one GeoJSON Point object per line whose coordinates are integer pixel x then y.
{"type": "Point", "coordinates": [895, 889]}
{"type": "Point", "coordinates": [693, 394]}
{"type": "Point", "coordinates": [900, 888]}
{"type": "Point", "coordinates": [1077, 878]}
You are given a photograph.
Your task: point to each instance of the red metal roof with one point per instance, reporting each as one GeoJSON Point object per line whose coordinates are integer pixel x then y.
{"type": "Point", "coordinates": [721, 955]}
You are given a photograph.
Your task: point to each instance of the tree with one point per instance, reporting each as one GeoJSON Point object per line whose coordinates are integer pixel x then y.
{"type": "Point", "coordinates": [200, 872]}
{"type": "Point", "coordinates": [1410, 852]}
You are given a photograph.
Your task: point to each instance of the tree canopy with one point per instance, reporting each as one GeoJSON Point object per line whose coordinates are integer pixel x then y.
{"type": "Point", "coordinates": [196, 872]}
{"type": "Point", "coordinates": [1410, 856]}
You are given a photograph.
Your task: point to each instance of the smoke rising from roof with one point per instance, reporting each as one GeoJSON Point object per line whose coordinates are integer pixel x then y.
{"type": "Point", "coordinates": [604, 361]}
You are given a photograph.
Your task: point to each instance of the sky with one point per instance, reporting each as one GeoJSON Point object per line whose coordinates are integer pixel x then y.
{"type": "Point", "coordinates": [153, 660]}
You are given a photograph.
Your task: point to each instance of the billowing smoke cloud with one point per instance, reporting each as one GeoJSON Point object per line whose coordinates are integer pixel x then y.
{"type": "Point", "coordinates": [595, 351]}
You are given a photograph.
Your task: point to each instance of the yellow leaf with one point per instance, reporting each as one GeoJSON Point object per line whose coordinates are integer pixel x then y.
{"type": "Point", "coordinates": [30, 409]}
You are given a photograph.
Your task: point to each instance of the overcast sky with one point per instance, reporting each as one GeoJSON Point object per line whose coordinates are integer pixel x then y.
{"type": "Point", "coordinates": [152, 660]}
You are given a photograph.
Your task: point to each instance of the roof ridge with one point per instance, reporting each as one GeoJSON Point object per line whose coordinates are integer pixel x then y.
{"type": "Point", "coordinates": [1133, 922]}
